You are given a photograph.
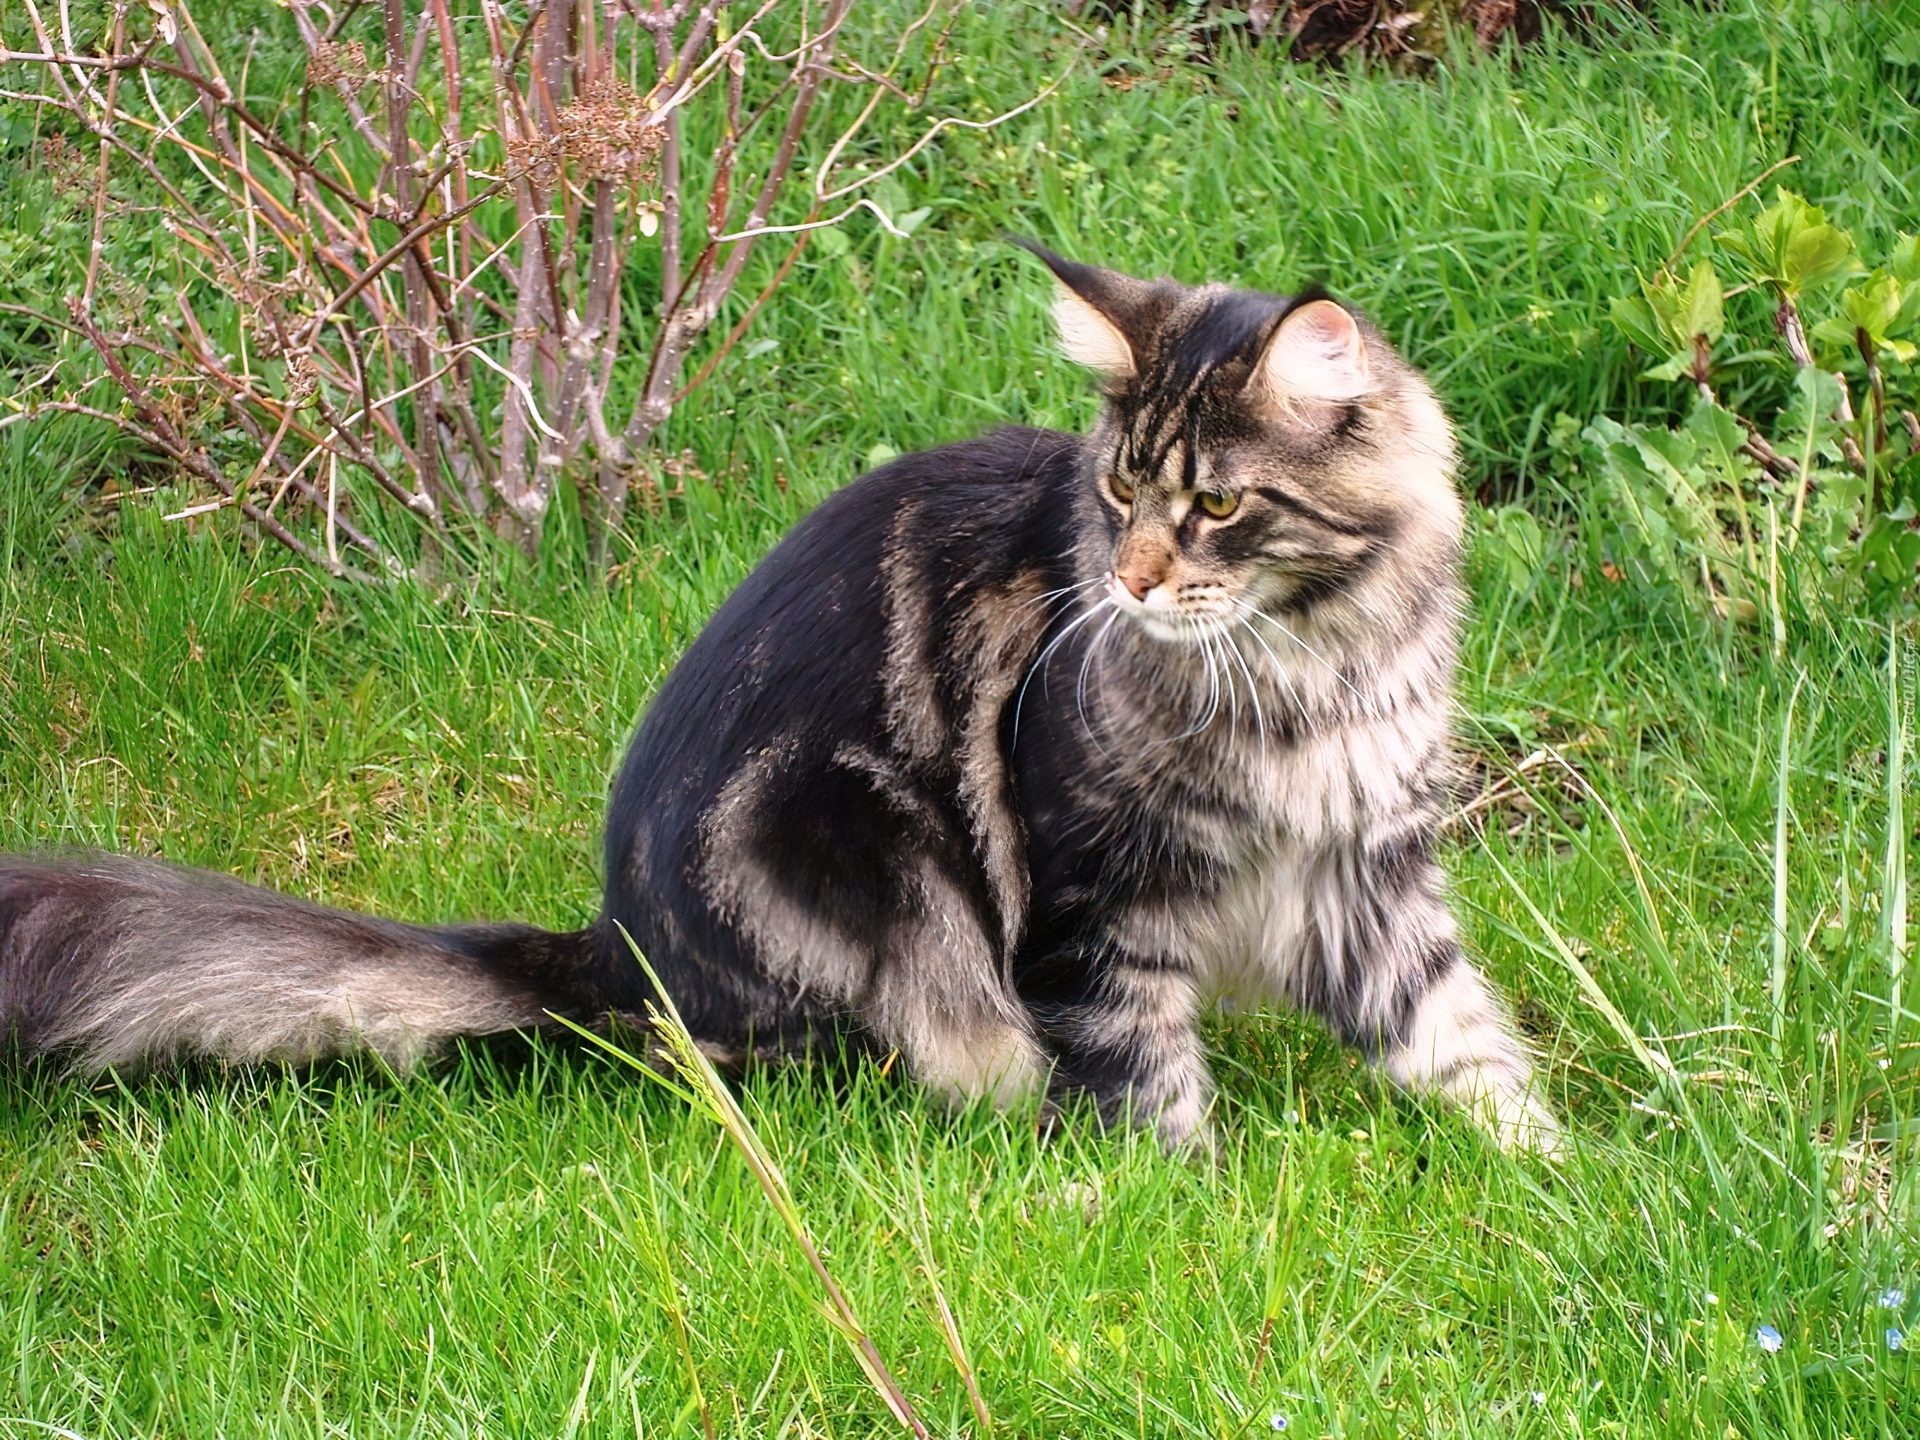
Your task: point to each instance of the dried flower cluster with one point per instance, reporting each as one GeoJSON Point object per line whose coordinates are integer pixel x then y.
{"type": "Point", "coordinates": [329, 62]}
{"type": "Point", "coordinates": [611, 133]}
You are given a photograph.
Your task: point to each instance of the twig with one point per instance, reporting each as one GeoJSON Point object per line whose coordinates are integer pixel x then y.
{"type": "Point", "coordinates": [740, 328]}
{"type": "Point", "coordinates": [159, 433]}
{"type": "Point", "coordinates": [98, 246]}
{"type": "Point", "coordinates": [1722, 208]}
{"type": "Point", "coordinates": [285, 216]}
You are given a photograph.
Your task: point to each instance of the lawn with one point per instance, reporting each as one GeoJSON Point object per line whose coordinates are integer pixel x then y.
{"type": "Point", "coordinates": [524, 1238]}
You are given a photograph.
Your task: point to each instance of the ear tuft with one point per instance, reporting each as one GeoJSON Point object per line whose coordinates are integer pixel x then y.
{"type": "Point", "coordinates": [1317, 353]}
{"type": "Point", "coordinates": [1090, 338]}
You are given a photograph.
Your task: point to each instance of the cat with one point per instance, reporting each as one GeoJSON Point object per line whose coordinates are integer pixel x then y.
{"type": "Point", "coordinates": [1011, 757]}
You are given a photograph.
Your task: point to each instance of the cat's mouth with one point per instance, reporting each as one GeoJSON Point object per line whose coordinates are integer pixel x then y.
{"type": "Point", "coordinates": [1179, 618]}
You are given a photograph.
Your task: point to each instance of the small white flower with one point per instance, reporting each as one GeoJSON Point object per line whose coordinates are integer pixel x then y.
{"type": "Point", "coordinates": [1892, 1298]}
{"type": "Point", "coordinates": [1712, 1299]}
{"type": "Point", "coordinates": [1539, 1397]}
{"type": "Point", "coordinates": [1278, 1422]}
{"type": "Point", "coordinates": [1768, 1339]}
{"type": "Point", "coordinates": [1895, 1340]}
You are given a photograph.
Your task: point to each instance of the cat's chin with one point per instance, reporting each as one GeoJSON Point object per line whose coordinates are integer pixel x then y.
{"type": "Point", "coordinates": [1170, 628]}
{"type": "Point", "coordinates": [1164, 623]}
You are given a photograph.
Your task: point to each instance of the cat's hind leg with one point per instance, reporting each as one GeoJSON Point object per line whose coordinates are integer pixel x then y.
{"type": "Point", "coordinates": [939, 999]}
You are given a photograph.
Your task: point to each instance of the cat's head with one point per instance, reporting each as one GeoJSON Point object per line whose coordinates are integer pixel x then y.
{"type": "Point", "coordinates": [1256, 452]}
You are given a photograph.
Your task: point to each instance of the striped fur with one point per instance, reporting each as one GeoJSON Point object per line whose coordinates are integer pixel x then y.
{"type": "Point", "coordinates": [1011, 758]}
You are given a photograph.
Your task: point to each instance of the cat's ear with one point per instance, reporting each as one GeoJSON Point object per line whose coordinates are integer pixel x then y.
{"type": "Point", "coordinates": [1316, 355]}
{"type": "Point", "coordinates": [1094, 310]}
{"type": "Point", "coordinates": [1089, 338]}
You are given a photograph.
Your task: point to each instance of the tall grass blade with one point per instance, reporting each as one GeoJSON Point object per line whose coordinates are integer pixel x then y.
{"type": "Point", "coordinates": [1894, 878]}
{"type": "Point", "coordinates": [717, 1100]}
{"type": "Point", "coordinates": [1777, 980]}
{"type": "Point", "coordinates": [651, 1246]}
{"type": "Point", "coordinates": [949, 1327]}
{"type": "Point", "coordinates": [1283, 1244]}
{"type": "Point", "coordinates": [1659, 1065]}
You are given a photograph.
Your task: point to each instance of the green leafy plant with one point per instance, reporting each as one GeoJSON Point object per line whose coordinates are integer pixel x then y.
{"type": "Point", "coordinates": [1793, 468]}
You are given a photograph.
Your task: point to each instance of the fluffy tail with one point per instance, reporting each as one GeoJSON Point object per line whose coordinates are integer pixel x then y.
{"type": "Point", "coordinates": [125, 962]}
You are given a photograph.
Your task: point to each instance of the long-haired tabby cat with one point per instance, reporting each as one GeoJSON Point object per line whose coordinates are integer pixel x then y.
{"type": "Point", "coordinates": [1009, 758]}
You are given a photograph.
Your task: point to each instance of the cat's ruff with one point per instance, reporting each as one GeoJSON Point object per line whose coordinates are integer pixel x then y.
{"type": "Point", "coordinates": [1008, 758]}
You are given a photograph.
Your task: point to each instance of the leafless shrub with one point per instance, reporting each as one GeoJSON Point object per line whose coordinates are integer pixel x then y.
{"type": "Point", "coordinates": [418, 263]}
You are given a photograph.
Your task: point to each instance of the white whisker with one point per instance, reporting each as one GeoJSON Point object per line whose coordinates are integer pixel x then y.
{"type": "Point", "coordinates": [1206, 718]}
{"type": "Point", "coordinates": [1366, 703]}
{"type": "Point", "coordinates": [1045, 655]}
{"type": "Point", "coordinates": [1253, 693]}
{"type": "Point", "coordinates": [1280, 670]}
{"type": "Point", "coordinates": [1213, 688]}
{"type": "Point", "coordinates": [1027, 605]}
{"type": "Point", "coordinates": [1080, 686]}
{"type": "Point", "coordinates": [1214, 632]}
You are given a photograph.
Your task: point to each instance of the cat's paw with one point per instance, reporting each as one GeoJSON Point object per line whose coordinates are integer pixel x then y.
{"type": "Point", "coordinates": [1049, 1124]}
{"type": "Point", "coordinates": [1524, 1125]}
{"type": "Point", "coordinates": [1185, 1132]}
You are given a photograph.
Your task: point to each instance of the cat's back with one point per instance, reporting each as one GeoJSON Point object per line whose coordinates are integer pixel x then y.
{"type": "Point", "coordinates": [879, 580]}
{"type": "Point", "coordinates": [807, 631]}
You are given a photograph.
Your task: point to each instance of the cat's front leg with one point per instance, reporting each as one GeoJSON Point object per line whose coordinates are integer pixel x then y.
{"type": "Point", "coordinates": [1383, 965]}
{"type": "Point", "coordinates": [1455, 1039]}
{"type": "Point", "coordinates": [1123, 1032]}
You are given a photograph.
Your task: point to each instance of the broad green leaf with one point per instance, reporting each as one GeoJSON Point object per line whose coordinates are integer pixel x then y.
{"type": "Point", "coordinates": [1909, 306]}
{"type": "Point", "coordinates": [1891, 549]}
{"type": "Point", "coordinates": [1518, 543]}
{"type": "Point", "coordinates": [1721, 435]}
{"type": "Point", "coordinates": [1633, 486]}
{"type": "Point", "coordinates": [1672, 459]}
{"type": "Point", "coordinates": [1904, 261]}
{"type": "Point", "coordinates": [1635, 319]}
{"type": "Point", "coordinates": [1836, 334]}
{"type": "Point", "coordinates": [1810, 414]}
{"type": "Point", "coordinates": [1875, 306]}
{"type": "Point", "coordinates": [1765, 241]}
{"type": "Point", "coordinates": [1815, 254]}
{"type": "Point", "coordinates": [1903, 50]}
{"type": "Point", "coordinates": [1668, 307]}
{"type": "Point", "coordinates": [1675, 448]}
{"type": "Point", "coordinates": [1701, 307]}
{"type": "Point", "coordinates": [1672, 368]}
{"type": "Point", "coordinates": [1791, 245]}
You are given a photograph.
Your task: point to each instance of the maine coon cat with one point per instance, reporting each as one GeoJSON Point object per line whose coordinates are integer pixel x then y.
{"type": "Point", "coordinates": [1010, 758]}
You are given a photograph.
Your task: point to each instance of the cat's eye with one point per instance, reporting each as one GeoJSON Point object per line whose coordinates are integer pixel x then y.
{"type": "Point", "coordinates": [1122, 491]}
{"type": "Point", "coordinates": [1218, 503]}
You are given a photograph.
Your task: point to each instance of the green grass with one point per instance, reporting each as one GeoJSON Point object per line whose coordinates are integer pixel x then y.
{"type": "Point", "coordinates": [486, 1247]}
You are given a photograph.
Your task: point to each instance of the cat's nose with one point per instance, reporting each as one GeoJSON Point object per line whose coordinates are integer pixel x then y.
{"type": "Point", "coordinates": [1142, 563]}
